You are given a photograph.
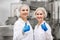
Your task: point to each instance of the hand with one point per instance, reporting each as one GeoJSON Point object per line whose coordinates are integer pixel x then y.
{"type": "Point", "coordinates": [26, 28]}
{"type": "Point", "coordinates": [44, 27]}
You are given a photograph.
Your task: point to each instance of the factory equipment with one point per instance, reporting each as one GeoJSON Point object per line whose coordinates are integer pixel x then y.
{"type": "Point", "coordinates": [50, 8]}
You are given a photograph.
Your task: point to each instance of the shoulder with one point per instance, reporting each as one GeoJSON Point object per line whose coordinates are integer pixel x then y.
{"type": "Point", "coordinates": [48, 26]}
{"type": "Point", "coordinates": [17, 22]}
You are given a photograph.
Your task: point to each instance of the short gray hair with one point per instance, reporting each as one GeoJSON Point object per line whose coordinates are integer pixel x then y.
{"type": "Point", "coordinates": [23, 6]}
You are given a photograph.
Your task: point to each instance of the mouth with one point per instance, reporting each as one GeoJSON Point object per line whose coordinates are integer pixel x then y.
{"type": "Point", "coordinates": [25, 13]}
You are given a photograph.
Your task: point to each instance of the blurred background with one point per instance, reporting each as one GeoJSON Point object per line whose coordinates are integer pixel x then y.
{"type": "Point", "coordinates": [9, 14]}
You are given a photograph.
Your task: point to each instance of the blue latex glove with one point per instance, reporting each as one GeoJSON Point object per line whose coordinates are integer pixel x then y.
{"type": "Point", "coordinates": [44, 27]}
{"type": "Point", "coordinates": [26, 28]}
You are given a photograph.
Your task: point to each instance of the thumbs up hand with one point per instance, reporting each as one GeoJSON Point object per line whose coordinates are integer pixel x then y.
{"type": "Point", "coordinates": [43, 26]}
{"type": "Point", "coordinates": [26, 28]}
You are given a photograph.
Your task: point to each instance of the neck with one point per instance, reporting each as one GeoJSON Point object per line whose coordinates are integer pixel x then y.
{"type": "Point", "coordinates": [39, 22]}
{"type": "Point", "coordinates": [24, 19]}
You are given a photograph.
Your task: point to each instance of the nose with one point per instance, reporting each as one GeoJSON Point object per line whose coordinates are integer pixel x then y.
{"type": "Point", "coordinates": [39, 15]}
{"type": "Point", "coordinates": [26, 11]}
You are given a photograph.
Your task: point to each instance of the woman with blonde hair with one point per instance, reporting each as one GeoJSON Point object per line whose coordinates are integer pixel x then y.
{"type": "Point", "coordinates": [22, 28]}
{"type": "Point", "coordinates": [42, 30]}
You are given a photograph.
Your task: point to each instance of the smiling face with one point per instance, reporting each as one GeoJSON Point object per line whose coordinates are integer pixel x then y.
{"type": "Point", "coordinates": [40, 15]}
{"type": "Point", "coordinates": [24, 10]}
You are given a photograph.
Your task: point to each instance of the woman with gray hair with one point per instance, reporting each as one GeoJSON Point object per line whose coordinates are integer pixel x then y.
{"type": "Point", "coordinates": [22, 28]}
{"type": "Point", "coordinates": [42, 30]}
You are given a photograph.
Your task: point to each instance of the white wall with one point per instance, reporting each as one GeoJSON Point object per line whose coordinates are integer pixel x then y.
{"type": "Point", "coordinates": [5, 6]}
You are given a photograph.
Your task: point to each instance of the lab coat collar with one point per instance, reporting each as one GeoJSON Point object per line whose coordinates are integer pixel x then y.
{"type": "Point", "coordinates": [43, 22]}
{"type": "Point", "coordinates": [22, 20]}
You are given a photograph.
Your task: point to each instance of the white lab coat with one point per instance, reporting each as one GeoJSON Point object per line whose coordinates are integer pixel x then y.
{"type": "Point", "coordinates": [40, 34]}
{"type": "Point", "coordinates": [18, 34]}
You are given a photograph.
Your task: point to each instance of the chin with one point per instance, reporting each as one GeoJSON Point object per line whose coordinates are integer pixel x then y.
{"type": "Point", "coordinates": [39, 19]}
{"type": "Point", "coordinates": [25, 16]}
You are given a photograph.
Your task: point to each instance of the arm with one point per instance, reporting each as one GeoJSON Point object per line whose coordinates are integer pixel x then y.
{"type": "Point", "coordinates": [17, 32]}
{"type": "Point", "coordinates": [30, 33]}
{"type": "Point", "coordinates": [48, 33]}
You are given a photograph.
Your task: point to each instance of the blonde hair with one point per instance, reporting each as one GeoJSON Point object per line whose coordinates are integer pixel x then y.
{"type": "Point", "coordinates": [43, 9]}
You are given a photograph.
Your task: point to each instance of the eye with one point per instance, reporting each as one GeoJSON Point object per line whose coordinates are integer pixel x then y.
{"type": "Point", "coordinates": [23, 10]}
{"type": "Point", "coordinates": [40, 13]}
{"type": "Point", "coordinates": [26, 9]}
{"type": "Point", "coordinates": [37, 13]}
